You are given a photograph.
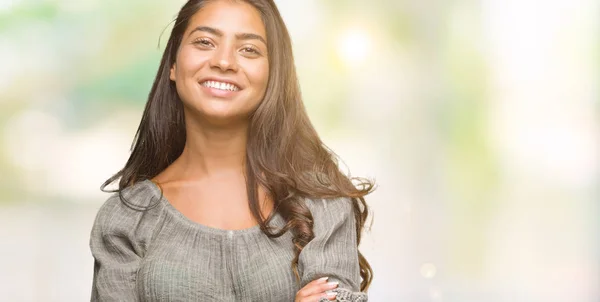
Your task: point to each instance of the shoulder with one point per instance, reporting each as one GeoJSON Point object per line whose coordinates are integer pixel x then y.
{"type": "Point", "coordinates": [133, 206]}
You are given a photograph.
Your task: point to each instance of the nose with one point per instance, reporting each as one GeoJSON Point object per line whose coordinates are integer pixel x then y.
{"type": "Point", "coordinates": [224, 58]}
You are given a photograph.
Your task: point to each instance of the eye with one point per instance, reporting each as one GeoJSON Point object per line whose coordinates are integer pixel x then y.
{"type": "Point", "coordinates": [249, 49]}
{"type": "Point", "coordinates": [202, 42]}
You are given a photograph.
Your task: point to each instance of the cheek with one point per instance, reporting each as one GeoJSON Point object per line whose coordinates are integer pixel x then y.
{"type": "Point", "coordinates": [260, 75]}
{"type": "Point", "coordinates": [189, 62]}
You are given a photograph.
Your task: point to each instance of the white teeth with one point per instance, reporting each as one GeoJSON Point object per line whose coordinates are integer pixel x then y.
{"type": "Point", "coordinates": [220, 85]}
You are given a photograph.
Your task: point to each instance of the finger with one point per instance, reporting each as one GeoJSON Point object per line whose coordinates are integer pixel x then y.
{"type": "Point", "coordinates": [307, 289]}
{"type": "Point", "coordinates": [318, 288]}
{"type": "Point", "coordinates": [317, 281]}
{"type": "Point", "coordinates": [315, 298]}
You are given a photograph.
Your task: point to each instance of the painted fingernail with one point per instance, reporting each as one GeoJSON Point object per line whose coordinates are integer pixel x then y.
{"type": "Point", "coordinates": [332, 284]}
{"type": "Point", "coordinates": [331, 295]}
{"type": "Point", "coordinates": [323, 279]}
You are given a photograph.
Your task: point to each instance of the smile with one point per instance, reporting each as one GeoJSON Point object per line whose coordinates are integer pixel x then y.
{"type": "Point", "coordinates": [220, 85]}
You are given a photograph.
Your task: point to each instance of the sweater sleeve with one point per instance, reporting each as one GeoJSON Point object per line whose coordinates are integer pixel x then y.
{"type": "Point", "coordinates": [118, 242]}
{"type": "Point", "coordinates": [333, 252]}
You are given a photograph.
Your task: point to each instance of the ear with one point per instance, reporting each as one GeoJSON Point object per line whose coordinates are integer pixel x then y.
{"type": "Point", "coordinates": [172, 72]}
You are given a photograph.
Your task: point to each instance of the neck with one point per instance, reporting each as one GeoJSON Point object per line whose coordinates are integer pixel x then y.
{"type": "Point", "coordinates": [211, 151]}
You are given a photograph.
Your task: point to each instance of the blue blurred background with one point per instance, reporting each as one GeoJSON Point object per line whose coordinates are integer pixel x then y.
{"type": "Point", "coordinates": [479, 120]}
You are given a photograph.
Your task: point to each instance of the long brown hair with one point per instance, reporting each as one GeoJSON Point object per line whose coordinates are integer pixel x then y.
{"type": "Point", "coordinates": [284, 152]}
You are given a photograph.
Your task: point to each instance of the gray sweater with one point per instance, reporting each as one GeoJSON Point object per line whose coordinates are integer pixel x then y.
{"type": "Point", "coordinates": [161, 255]}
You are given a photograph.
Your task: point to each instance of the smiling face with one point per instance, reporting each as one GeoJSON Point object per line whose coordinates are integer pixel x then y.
{"type": "Point", "coordinates": [222, 69]}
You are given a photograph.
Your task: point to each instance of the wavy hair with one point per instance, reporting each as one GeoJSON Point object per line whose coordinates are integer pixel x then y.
{"type": "Point", "coordinates": [284, 153]}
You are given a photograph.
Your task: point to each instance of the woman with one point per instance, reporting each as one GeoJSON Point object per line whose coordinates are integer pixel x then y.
{"type": "Point", "coordinates": [229, 194]}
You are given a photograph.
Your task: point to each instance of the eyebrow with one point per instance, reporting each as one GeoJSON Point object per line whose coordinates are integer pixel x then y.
{"type": "Point", "coordinates": [240, 36]}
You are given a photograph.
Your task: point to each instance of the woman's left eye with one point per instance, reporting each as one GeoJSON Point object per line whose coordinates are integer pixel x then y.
{"type": "Point", "coordinates": [250, 49]}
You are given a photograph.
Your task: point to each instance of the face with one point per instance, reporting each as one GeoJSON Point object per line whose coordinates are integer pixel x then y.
{"type": "Point", "coordinates": [222, 69]}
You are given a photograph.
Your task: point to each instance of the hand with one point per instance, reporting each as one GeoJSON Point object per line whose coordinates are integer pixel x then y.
{"type": "Point", "coordinates": [315, 290]}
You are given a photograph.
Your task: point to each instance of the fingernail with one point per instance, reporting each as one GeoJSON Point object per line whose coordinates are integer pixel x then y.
{"type": "Point", "coordinates": [331, 294]}
{"type": "Point", "coordinates": [323, 279]}
{"type": "Point", "coordinates": [333, 283]}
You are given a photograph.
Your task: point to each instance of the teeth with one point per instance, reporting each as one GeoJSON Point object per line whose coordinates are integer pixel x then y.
{"type": "Point", "coordinates": [220, 85]}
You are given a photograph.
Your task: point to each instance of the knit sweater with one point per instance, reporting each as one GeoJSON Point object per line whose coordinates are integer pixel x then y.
{"type": "Point", "coordinates": [158, 254]}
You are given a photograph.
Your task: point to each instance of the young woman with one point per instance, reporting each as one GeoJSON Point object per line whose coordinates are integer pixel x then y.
{"type": "Point", "coordinates": [229, 194]}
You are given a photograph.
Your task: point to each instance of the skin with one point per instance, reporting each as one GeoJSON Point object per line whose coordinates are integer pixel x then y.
{"type": "Point", "coordinates": [315, 290]}
{"type": "Point", "coordinates": [203, 53]}
{"type": "Point", "coordinates": [206, 183]}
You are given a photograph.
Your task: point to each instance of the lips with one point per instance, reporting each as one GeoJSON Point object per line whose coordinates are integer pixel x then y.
{"type": "Point", "coordinates": [218, 92]}
{"type": "Point", "coordinates": [213, 81]}
{"type": "Point", "coordinates": [220, 85]}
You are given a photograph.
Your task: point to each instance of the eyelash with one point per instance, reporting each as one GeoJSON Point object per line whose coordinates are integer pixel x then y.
{"type": "Point", "coordinates": [204, 41]}
{"type": "Point", "coordinates": [201, 42]}
{"type": "Point", "coordinates": [252, 49]}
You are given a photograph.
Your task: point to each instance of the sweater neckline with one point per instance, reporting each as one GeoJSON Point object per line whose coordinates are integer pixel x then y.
{"type": "Point", "coordinates": [156, 190]}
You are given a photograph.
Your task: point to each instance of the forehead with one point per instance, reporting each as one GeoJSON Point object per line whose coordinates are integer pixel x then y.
{"type": "Point", "coordinates": [229, 17]}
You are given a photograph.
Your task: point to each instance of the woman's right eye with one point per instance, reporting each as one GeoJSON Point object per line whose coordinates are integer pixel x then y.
{"type": "Point", "coordinates": [202, 42]}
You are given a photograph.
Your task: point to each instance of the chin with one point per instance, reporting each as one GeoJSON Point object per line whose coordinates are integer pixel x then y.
{"type": "Point", "coordinates": [219, 111]}
{"type": "Point", "coordinates": [223, 117]}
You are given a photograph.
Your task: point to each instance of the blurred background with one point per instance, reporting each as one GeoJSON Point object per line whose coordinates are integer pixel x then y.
{"type": "Point", "coordinates": [479, 121]}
